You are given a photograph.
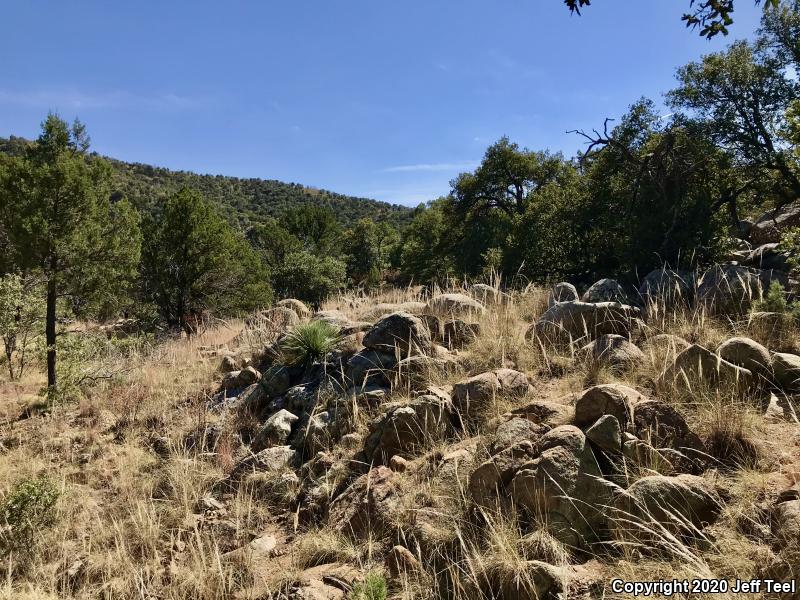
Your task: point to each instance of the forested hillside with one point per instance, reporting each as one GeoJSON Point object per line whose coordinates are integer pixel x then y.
{"type": "Point", "coordinates": [244, 201]}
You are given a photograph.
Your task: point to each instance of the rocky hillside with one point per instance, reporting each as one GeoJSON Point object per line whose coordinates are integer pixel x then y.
{"type": "Point", "coordinates": [467, 443]}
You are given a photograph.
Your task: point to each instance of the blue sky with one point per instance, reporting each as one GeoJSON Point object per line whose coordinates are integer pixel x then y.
{"type": "Point", "coordinates": [388, 100]}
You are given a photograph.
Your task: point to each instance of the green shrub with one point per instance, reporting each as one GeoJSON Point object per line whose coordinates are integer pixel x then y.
{"type": "Point", "coordinates": [308, 342]}
{"type": "Point", "coordinates": [373, 588]}
{"type": "Point", "coordinates": [774, 300]}
{"type": "Point", "coordinates": [309, 278]}
{"type": "Point", "coordinates": [25, 510]}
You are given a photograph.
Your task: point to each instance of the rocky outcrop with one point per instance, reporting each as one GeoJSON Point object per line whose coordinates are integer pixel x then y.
{"type": "Point", "coordinates": [655, 507]}
{"type": "Point", "coordinates": [769, 226]}
{"type": "Point", "coordinates": [609, 399]}
{"type": "Point", "coordinates": [364, 508]}
{"type": "Point", "coordinates": [406, 429]}
{"type": "Point", "coordinates": [748, 354]}
{"type": "Point", "coordinates": [729, 289]}
{"type": "Point", "coordinates": [240, 379]}
{"type": "Point", "coordinates": [566, 322]}
{"type": "Point", "coordinates": [454, 305]}
{"type": "Point", "coordinates": [562, 292]}
{"type": "Point", "coordinates": [564, 487]}
{"type": "Point", "coordinates": [399, 332]}
{"type": "Point", "coordinates": [787, 370]}
{"type": "Point", "coordinates": [614, 351]}
{"type": "Point", "coordinates": [605, 290]}
{"type": "Point", "coordinates": [275, 431]}
{"type": "Point", "coordinates": [472, 395]}
{"type": "Point", "coordinates": [666, 288]}
{"type": "Point", "coordinates": [696, 368]}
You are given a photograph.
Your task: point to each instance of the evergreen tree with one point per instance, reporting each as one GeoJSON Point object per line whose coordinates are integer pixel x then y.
{"type": "Point", "coordinates": [56, 217]}
{"type": "Point", "coordinates": [194, 262]}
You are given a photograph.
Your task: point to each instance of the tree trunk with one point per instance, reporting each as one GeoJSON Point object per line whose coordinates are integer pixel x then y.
{"type": "Point", "coordinates": [50, 333]}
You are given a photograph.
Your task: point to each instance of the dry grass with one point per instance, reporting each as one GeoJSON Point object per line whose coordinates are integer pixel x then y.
{"type": "Point", "coordinates": [135, 521]}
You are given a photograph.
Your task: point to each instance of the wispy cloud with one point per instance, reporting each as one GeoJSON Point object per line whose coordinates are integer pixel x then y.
{"type": "Point", "coordinates": [74, 99]}
{"type": "Point", "coordinates": [431, 167]}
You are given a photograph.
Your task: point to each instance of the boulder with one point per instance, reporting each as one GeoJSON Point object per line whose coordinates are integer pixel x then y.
{"type": "Point", "coordinates": [665, 287]}
{"type": "Point", "coordinates": [399, 332]}
{"type": "Point", "coordinates": [458, 333]}
{"type": "Point", "coordinates": [370, 367]}
{"type": "Point", "coordinates": [768, 256]}
{"type": "Point", "coordinates": [697, 366]}
{"type": "Point", "coordinates": [770, 226]}
{"type": "Point", "coordinates": [454, 305]}
{"type": "Point", "coordinates": [547, 412]}
{"type": "Point", "coordinates": [655, 506]}
{"type": "Point", "coordinates": [400, 562]}
{"type": "Point", "coordinates": [605, 290]}
{"type": "Point", "coordinates": [276, 380]}
{"type": "Point", "coordinates": [275, 431]}
{"type": "Point", "coordinates": [608, 399]}
{"type": "Point", "coordinates": [606, 434]}
{"type": "Point", "coordinates": [564, 487]}
{"type": "Point", "coordinates": [385, 308]}
{"type": "Point", "coordinates": [489, 480]}
{"type": "Point", "coordinates": [281, 317]}
{"type": "Point", "coordinates": [568, 321]}
{"type": "Point", "coordinates": [729, 289]}
{"type": "Point", "coordinates": [297, 306]}
{"type": "Point", "coordinates": [406, 429]}
{"type": "Point", "coordinates": [515, 430]}
{"type": "Point", "coordinates": [562, 292]}
{"type": "Point", "coordinates": [525, 580]}
{"type": "Point", "coordinates": [364, 508]}
{"type": "Point", "coordinates": [747, 353]}
{"type": "Point", "coordinates": [486, 294]}
{"type": "Point", "coordinates": [780, 409]}
{"type": "Point", "coordinates": [659, 424]}
{"type": "Point", "coordinates": [474, 394]}
{"type": "Point", "coordinates": [276, 458]}
{"type": "Point", "coordinates": [240, 379]}
{"type": "Point", "coordinates": [787, 370]}
{"type": "Point", "coordinates": [614, 351]}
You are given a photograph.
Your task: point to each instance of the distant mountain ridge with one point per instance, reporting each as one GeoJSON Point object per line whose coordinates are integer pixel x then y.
{"type": "Point", "coordinates": [243, 201]}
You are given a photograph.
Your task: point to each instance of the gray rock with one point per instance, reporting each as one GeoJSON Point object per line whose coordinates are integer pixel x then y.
{"type": "Point", "coordinates": [680, 505]}
{"type": "Point", "coordinates": [607, 399]}
{"type": "Point", "coordinates": [275, 431]}
{"type": "Point", "coordinates": [399, 332]}
{"type": "Point", "coordinates": [606, 434]}
{"type": "Point", "coordinates": [370, 367]}
{"type": "Point", "coordinates": [770, 226]}
{"type": "Point", "coordinates": [562, 292]}
{"type": "Point", "coordinates": [666, 288]}
{"type": "Point", "coordinates": [615, 351]}
{"type": "Point", "coordinates": [605, 290]}
{"type": "Point", "coordinates": [454, 305]}
{"type": "Point", "coordinates": [405, 430]}
{"type": "Point", "coordinates": [697, 367]}
{"type": "Point", "coordinates": [787, 370]}
{"type": "Point", "coordinates": [747, 353]}
{"type": "Point", "coordinates": [569, 321]}
{"type": "Point", "coordinates": [458, 333]}
{"type": "Point", "coordinates": [515, 430]}
{"type": "Point", "coordinates": [564, 487]}
{"type": "Point", "coordinates": [729, 289]}
{"type": "Point", "coordinates": [297, 306]}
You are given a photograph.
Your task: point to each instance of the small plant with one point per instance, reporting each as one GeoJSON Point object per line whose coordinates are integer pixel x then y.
{"type": "Point", "coordinates": [26, 509]}
{"type": "Point", "coordinates": [308, 342]}
{"type": "Point", "coordinates": [373, 588]}
{"type": "Point", "coordinates": [774, 300]}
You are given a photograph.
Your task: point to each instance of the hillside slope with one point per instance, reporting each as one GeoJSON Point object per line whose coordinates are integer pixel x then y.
{"type": "Point", "coordinates": [243, 201]}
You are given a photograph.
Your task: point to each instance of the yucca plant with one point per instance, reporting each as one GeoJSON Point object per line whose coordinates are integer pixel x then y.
{"type": "Point", "coordinates": [308, 342]}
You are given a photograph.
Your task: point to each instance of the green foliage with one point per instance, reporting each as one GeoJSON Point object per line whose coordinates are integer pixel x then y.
{"type": "Point", "coordinates": [315, 227]}
{"type": "Point", "coordinates": [373, 588]}
{"type": "Point", "coordinates": [711, 17]}
{"type": "Point", "coordinates": [368, 248]}
{"type": "Point", "coordinates": [773, 301]}
{"type": "Point", "coordinates": [56, 218]}
{"type": "Point", "coordinates": [194, 262]}
{"type": "Point", "coordinates": [308, 342]}
{"type": "Point", "coordinates": [790, 244]}
{"type": "Point", "coordinates": [308, 277]}
{"type": "Point", "coordinates": [24, 511]}
{"type": "Point", "coordinates": [21, 314]}
{"type": "Point", "coordinates": [273, 242]}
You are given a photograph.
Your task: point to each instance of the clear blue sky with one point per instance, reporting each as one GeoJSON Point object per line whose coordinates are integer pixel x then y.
{"type": "Point", "coordinates": [382, 99]}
